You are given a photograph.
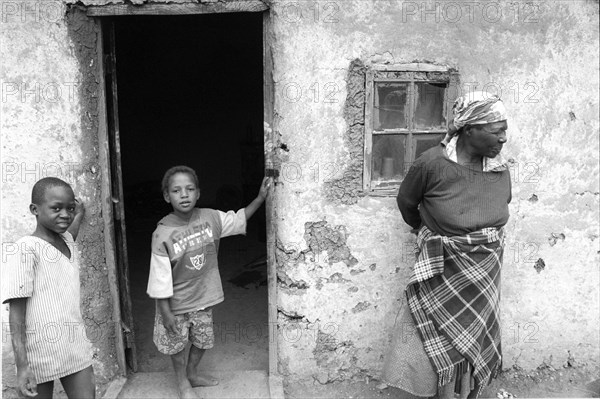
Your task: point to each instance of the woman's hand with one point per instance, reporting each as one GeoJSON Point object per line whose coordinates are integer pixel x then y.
{"type": "Point", "coordinates": [26, 383]}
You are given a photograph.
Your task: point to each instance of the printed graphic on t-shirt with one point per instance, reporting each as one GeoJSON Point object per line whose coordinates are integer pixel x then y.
{"type": "Point", "coordinates": [193, 246]}
{"type": "Point", "coordinates": [198, 261]}
{"type": "Point", "coordinates": [191, 238]}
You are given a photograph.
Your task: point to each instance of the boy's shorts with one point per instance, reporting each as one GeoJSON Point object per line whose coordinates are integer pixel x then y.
{"type": "Point", "coordinates": [196, 327]}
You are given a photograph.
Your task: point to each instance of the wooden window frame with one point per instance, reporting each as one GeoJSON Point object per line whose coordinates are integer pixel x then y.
{"type": "Point", "coordinates": [411, 74]}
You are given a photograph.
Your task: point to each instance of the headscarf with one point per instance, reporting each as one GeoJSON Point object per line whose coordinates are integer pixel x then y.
{"type": "Point", "coordinates": [477, 108]}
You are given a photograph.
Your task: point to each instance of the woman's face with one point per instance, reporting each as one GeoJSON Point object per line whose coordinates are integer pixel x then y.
{"type": "Point", "coordinates": [487, 140]}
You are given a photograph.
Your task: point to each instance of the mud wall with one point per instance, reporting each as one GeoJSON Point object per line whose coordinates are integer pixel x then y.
{"type": "Point", "coordinates": [50, 94]}
{"type": "Point", "coordinates": [344, 257]}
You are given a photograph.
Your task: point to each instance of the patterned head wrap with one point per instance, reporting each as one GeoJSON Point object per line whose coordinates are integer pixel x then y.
{"type": "Point", "coordinates": [477, 108]}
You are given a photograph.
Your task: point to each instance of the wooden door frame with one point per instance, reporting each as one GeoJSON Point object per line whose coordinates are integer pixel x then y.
{"type": "Point", "coordinates": [110, 248]}
{"type": "Point", "coordinates": [97, 12]}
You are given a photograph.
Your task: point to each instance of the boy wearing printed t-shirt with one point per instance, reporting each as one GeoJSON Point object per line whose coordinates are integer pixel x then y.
{"type": "Point", "coordinates": [184, 276]}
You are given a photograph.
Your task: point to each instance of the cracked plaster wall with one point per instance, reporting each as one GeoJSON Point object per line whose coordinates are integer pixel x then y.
{"type": "Point", "coordinates": [50, 128]}
{"type": "Point", "coordinates": [343, 258]}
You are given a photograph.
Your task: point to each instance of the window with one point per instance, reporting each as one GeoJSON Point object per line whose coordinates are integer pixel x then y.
{"type": "Point", "coordinates": [407, 112]}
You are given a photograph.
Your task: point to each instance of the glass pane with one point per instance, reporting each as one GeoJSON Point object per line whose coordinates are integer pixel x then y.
{"type": "Point", "coordinates": [430, 106]}
{"type": "Point", "coordinates": [391, 106]}
{"type": "Point", "coordinates": [388, 158]}
{"type": "Point", "coordinates": [423, 142]}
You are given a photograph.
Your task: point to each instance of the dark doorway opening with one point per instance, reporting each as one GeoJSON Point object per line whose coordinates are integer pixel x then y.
{"type": "Point", "coordinates": [190, 91]}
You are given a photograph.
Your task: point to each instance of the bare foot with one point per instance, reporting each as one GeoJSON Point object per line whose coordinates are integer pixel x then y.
{"type": "Point", "coordinates": [203, 380]}
{"type": "Point", "coordinates": [185, 391]}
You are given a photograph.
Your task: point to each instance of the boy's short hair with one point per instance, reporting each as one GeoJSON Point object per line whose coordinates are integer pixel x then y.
{"type": "Point", "coordinates": [41, 186]}
{"type": "Point", "coordinates": [174, 170]}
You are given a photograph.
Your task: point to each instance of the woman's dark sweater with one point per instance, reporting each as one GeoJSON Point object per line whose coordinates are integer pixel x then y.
{"type": "Point", "coordinates": [452, 199]}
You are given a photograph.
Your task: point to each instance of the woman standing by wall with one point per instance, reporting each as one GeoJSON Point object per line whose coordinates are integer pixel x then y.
{"type": "Point", "coordinates": [447, 334]}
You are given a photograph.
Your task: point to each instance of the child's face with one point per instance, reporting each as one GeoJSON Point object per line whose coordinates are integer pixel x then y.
{"type": "Point", "coordinates": [57, 211]}
{"type": "Point", "coordinates": [182, 193]}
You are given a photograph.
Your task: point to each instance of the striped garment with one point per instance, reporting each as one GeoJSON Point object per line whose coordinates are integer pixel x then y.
{"type": "Point", "coordinates": [57, 344]}
{"type": "Point", "coordinates": [453, 295]}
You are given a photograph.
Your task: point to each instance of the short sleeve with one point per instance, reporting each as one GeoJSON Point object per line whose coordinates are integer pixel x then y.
{"type": "Point", "coordinates": [158, 243]}
{"type": "Point", "coordinates": [160, 279]}
{"type": "Point", "coordinates": [233, 222]}
{"type": "Point", "coordinates": [68, 237]}
{"type": "Point", "coordinates": [18, 270]}
{"type": "Point", "coordinates": [70, 241]}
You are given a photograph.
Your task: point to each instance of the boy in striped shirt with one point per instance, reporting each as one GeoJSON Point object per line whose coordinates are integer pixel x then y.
{"type": "Point", "coordinates": [42, 286]}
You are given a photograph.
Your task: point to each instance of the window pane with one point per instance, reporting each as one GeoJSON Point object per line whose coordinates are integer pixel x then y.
{"type": "Point", "coordinates": [423, 142]}
{"type": "Point", "coordinates": [388, 158]}
{"type": "Point", "coordinates": [391, 106]}
{"type": "Point", "coordinates": [430, 106]}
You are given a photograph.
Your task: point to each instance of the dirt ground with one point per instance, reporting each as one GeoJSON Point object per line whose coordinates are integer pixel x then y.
{"type": "Point", "coordinates": [571, 382]}
{"type": "Point", "coordinates": [565, 383]}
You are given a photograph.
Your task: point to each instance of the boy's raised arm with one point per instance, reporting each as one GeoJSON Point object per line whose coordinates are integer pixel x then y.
{"type": "Point", "coordinates": [26, 383]}
{"type": "Point", "coordinates": [79, 213]}
{"type": "Point", "coordinates": [262, 195]}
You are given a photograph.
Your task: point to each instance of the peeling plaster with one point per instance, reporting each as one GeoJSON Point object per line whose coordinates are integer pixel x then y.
{"type": "Point", "coordinates": [59, 128]}
{"type": "Point", "coordinates": [320, 237]}
{"type": "Point", "coordinates": [348, 189]}
{"type": "Point", "coordinates": [96, 296]}
{"type": "Point", "coordinates": [554, 208]}
{"type": "Point", "coordinates": [553, 137]}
